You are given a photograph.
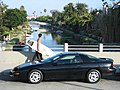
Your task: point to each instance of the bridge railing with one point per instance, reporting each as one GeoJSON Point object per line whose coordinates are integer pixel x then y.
{"type": "Point", "coordinates": [94, 48]}
{"type": "Point", "coordinates": [68, 48]}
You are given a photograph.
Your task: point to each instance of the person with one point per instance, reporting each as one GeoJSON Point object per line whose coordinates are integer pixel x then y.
{"type": "Point", "coordinates": [37, 53]}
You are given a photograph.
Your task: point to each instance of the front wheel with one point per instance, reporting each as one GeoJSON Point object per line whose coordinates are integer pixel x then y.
{"type": "Point", "coordinates": [35, 76]}
{"type": "Point", "coordinates": [93, 76]}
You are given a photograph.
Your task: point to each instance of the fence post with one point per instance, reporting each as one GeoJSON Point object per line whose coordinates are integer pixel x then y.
{"type": "Point", "coordinates": [66, 47]}
{"type": "Point", "coordinates": [100, 47]}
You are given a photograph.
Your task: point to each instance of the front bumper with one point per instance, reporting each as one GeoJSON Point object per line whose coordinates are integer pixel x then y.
{"type": "Point", "coordinates": [18, 74]}
{"type": "Point", "coordinates": [14, 74]}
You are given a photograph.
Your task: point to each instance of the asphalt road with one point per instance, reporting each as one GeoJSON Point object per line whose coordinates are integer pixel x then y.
{"type": "Point", "coordinates": [7, 83]}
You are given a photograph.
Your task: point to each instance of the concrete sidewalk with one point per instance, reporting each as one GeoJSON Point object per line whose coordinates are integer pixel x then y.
{"type": "Point", "coordinates": [10, 59]}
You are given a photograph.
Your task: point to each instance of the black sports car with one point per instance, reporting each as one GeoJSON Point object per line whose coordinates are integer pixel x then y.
{"type": "Point", "coordinates": [65, 66]}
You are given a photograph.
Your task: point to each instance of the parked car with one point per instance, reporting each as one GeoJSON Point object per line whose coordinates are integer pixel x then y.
{"type": "Point", "coordinates": [64, 66]}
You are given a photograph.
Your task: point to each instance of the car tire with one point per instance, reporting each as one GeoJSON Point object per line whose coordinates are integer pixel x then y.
{"type": "Point", "coordinates": [93, 76]}
{"type": "Point", "coordinates": [35, 76]}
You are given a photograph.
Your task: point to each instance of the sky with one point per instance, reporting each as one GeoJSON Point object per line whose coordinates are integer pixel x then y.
{"type": "Point", "coordinates": [40, 5]}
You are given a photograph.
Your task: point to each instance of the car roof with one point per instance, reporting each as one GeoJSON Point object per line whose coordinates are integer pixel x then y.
{"type": "Point", "coordinates": [71, 53]}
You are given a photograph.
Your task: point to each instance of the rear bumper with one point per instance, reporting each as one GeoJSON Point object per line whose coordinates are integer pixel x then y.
{"type": "Point", "coordinates": [109, 72]}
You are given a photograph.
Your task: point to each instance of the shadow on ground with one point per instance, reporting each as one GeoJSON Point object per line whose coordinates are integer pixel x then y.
{"type": "Point", "coordinates": [5, 76]}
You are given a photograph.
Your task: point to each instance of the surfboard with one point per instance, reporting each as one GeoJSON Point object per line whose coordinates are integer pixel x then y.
{"type": "Point", "coordinates": [46, 52]}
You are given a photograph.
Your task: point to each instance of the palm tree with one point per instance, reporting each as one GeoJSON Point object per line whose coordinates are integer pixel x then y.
{"type": "Point", "coordinates": [40, 13]}
{"type": "Point", "coordinates": [34, 13]}
{"type": "Point", "coordinates": [45, 10]}
{"type": "Point", "coordinates": [55, 15]}
{"type": "Point", "coordinates": [81, 8]}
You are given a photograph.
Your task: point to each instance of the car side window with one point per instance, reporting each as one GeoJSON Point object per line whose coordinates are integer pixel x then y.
{"type": "Point", "coordinates": [65, 59]}
{"type": "Point", "coordinates": [88, 58]}
{"type": "Point", "coordinates": [85, 58]}
{"type": "Point", "coordinates": [77, 59]}
{"type": "Point", "coordinates": [69, 59]}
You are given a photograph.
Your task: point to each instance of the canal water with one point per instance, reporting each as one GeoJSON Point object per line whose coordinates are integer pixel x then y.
{"type": "Point", "coordinates": [47, 38]}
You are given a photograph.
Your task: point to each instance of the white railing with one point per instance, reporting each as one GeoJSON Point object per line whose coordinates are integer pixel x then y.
{"type": "Point", "coordinates": [93, 48]}
{"type": "Point", "coordinates": [71, 48]}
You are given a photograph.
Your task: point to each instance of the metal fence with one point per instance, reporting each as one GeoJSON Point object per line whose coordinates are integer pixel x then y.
{"type": "Point", "coordinates": [94, 48]}
{"type": "Point", "coordinates": [69, 48]}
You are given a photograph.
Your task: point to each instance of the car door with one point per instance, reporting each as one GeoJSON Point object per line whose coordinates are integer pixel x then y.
{"type": "Point", "coordinates": [65, 67]}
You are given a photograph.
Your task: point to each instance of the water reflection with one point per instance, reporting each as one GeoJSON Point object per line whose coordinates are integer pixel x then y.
{"type": "Point", "coordinates": [48, 38]}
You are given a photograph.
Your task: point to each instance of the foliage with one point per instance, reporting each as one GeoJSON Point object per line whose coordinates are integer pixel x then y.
{"type": "Point", "coordinates": [23, 14]}
{"type": "Point", "coordinates": [13, 18]}
{"type": "Point", "coordinates": [3, 7]}
{"type": "Point", "coordinates": [10, 19]}
{"type": "Point", "coordinates": [14, 41]}
{"type": "Point", "coordinates": [4, 31]}
{"type": "Point", "coordinates": [43, 19]}
{"type": "Point", "coordinates": [55, 16]}
{"type": "Point", "coordinates": [74, 17]}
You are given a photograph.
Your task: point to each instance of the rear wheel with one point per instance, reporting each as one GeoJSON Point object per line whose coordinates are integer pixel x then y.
{"type": "Point", "coordinates": [93, 76]}
{"type": "Point", "coordinates": [35, 76]}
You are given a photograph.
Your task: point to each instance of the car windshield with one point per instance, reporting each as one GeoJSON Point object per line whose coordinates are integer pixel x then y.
{"type": "Point", "coordinates": [50, 59]}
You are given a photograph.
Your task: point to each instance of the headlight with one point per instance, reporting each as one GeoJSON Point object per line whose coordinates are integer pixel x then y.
{"type": "Point", "coordinates": [16, 73]}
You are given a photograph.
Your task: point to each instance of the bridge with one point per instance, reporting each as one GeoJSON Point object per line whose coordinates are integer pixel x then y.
{"type": "Point", "coordinates": [39, 23]}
